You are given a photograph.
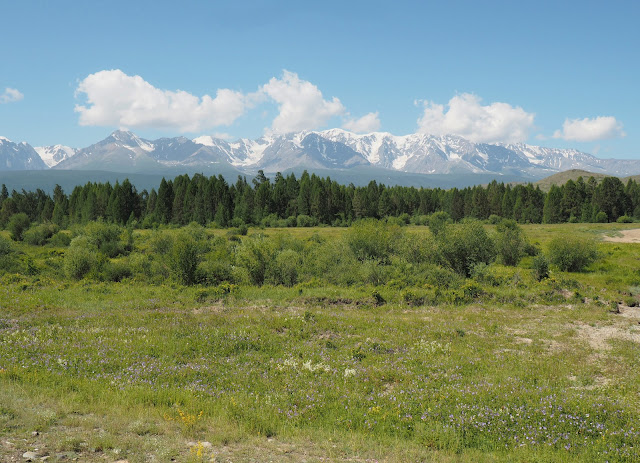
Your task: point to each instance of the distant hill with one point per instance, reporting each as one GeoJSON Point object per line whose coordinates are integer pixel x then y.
{"type": "Point", "coordinates": [563, 177]}
{"type": "Point", "coordinates": [47, 179]}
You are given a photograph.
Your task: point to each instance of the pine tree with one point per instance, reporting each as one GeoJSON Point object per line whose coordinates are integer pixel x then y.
{"type": "Point", "coordinates": [552, 212]}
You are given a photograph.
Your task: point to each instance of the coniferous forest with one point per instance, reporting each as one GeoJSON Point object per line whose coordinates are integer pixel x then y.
{"type": "Point", "coordinates": [287, 201]}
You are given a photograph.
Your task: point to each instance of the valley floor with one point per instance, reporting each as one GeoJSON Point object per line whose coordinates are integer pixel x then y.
{"type": "Point", "coordinates": [524, 371]}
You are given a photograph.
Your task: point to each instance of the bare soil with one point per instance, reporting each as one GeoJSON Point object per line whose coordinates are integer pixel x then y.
{"type": "Point", "coordinates": [628, 236]}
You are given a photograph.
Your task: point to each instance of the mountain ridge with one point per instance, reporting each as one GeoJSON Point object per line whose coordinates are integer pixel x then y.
{"type": "Point", "coordinates": [124, 151]}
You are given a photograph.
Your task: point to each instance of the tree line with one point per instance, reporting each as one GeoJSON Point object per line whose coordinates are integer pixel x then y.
{"type": "Point", "coordinates": [313, 200]}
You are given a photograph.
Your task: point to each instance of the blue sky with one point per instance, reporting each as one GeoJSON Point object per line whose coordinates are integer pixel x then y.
{"type": "Point", "coordinates": [561, 74]}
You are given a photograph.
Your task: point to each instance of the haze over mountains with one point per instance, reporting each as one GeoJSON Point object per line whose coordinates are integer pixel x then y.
{"type": "Point", "coordinates": [329, 150]}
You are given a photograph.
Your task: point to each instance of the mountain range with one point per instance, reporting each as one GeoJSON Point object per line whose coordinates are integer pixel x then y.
{"type": "Point", "coordinates": [326, 151]}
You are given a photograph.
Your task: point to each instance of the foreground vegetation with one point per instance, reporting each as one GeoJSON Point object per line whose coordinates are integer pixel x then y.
{"type": "Point", "coordinates": [456, 342]}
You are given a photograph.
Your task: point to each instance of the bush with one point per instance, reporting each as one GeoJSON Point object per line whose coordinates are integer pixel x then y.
{"type": "Point", "coordinates": [161, 243]}
{"type": "Point", "coordinates": [214, 272]}
{"type": "Point", "coordinates": [184, 259]}
{"type": "Point", "coordinates": [372, 239]}
{"type": "Point", "coordinates": [601, 217]}
{"type": "Point", "coordinates": [494, 219]}
{"type": "Point", "coordinates": [465, 245]}
{"type": "Point", "coordinates": [38, 235]}
{"type": "Point", "coordinates": [17, 225]}
{"type": "Point", "coordinates": [80, 258]}
{"type": "Point", "coordinates": [255, 255]}
{"type": "Point", "coordinates": [572, 254]}
{"type": "Point", "coordinates": [8, 260]}
{"type": "Point", "coordinates": [418, 249]}
{"type": "Point", "coordinates": [624, 219]}
{"type": "Point", "coordinates": [60, 239]}
{"type": "Point", "coordinates": [116, 271]}
{"type": "Point", "coordinates": [284, 269]}
{"type": "Point", "coordinates": [305, 221]}
{"type": "Point", "coordinates": [510, 242]}
{"type": "Point", "coordinates": [438, 222]}
{"type": "Point", "coordinates": [540, 267]}
{"type": "Point", "coordinates": [105, 237]}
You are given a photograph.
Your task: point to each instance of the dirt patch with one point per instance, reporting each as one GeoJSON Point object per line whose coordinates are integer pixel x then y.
{"type": "Point", "coordinates": [209, 309]}
{"type": "Point", "coordinates": [629, 312]}
{"type": "Point", "coordinates": [598, 336]}
{"type": "Point", "coordinates": [627, 236]}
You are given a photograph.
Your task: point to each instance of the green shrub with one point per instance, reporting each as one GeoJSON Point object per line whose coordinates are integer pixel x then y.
{"type": "Point", "coordinates": [140, 264]}
{"type": "Point", "coordinates": [494, 219]}
{"type": "Point", "coordinates": [106, 237]}
{"type": "Point", "coordinates": [438, 222]}
{"type": "Point", "coordinates": [60, 239]}
{"type": "Point", "coordinates": [18, 224]}
{"type": "Point", "coordinates": [625, 219]}
{"type": "Point", "coordinates": [572, 254]}
{"type": "Point", "coordinates": [255, 255]}
{"type": "Point", "coordinates": [161, 243]}
{"type": "Point", "coordinates": [8, 259]}
{"type": "Point", "coordinates": [38, 235]}
{"type": "Point", "coordinates": [510, 242]}
{"type": "Point", "coordinates": [540, 267]}
{"type": "Point", "coordinates": [6, 247]}
{"type": "Point", "coordinates": [465, 245]}
{"type": "Point", "coordinates": [116, 271]}
{"type": "Point", "coordinates": [441, 277]}
{"type": "Point", "coordinates": [417, 249]}
{"type": "Point", "coordinates": [184, 258]}
{"type": "Point", "coordinates": [284, 269]}
{"type": "Point", "coordinates": [212, 272]}
{"type": "Point", "coordinates": [305, 221]}
{"type": "Point", "coordinates": [601, 217]}
{"type": "Point", "coordinates": [373, 239]}
{"type": "Point", "coordinates": [412, 298]}
{"type": "Point", "coordinates": [80, 258]}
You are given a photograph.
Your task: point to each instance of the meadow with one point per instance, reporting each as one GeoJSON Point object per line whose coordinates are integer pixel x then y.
{"type": "Point", "coordinates": [376, 342]}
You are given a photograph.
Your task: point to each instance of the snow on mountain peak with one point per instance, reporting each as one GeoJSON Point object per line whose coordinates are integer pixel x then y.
{"type": "Point", "coordinates": [53, 155]}
{"type": "Point", "coordinates": [206, 140]}
{"type": "Point", "coordinates": [5, 139]}
{"type": "Point", "coordinates": [130, 140]}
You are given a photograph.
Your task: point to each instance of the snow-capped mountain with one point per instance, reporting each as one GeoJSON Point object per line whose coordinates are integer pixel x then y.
{"type": "Point", "coordinates": [124, 151]}
{"type": "Point", "coordinates": [19, 156]}
{"type": "Point", "coordinates": [53, 155]}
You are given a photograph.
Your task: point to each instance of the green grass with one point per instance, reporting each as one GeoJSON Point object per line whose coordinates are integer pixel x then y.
{"type": "Point", "coordinates": [520, 371]}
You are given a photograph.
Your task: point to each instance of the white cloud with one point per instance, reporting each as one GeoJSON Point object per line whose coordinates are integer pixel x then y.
{"type": "Point", "coordinates": [598, 128]}
{"type": "Point", "coordinates": [301, 104]}
{"type": "Point", "coordinates": [466, 117]}
{"type": "Point", "coordinates": [10, 95]}
{"type": "Point", "coordinates": [367, 123]}
{"type": "Point", "coordinates": [117, 99]}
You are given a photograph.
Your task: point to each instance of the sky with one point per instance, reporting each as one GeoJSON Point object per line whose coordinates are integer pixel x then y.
{"type": "Point", "coordinates": [552, 73]}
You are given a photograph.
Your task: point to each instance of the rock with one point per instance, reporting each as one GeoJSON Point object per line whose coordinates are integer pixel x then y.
{"type": "Point", "coordinates": [35, 433]}
{"type": "Point", "coordinates": [30, 456]}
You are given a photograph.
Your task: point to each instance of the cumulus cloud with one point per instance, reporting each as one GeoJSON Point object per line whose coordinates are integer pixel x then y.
{"type": "Point", "coordinates": [301, 104]}
{"type": "Point", "coordinates": [367, 123]}
{"type": "Point", "coordinates": [114, 98]}
{"type": "Point", "coordinates": [10, 95]}
{"type": "Point", "coordinates": [590, 129]}
{"type": "Point", "coordinates": [467, 117]}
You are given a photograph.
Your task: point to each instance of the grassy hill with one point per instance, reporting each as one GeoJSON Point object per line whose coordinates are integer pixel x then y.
{"type": "Point", "coordinates": [563, 177]}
